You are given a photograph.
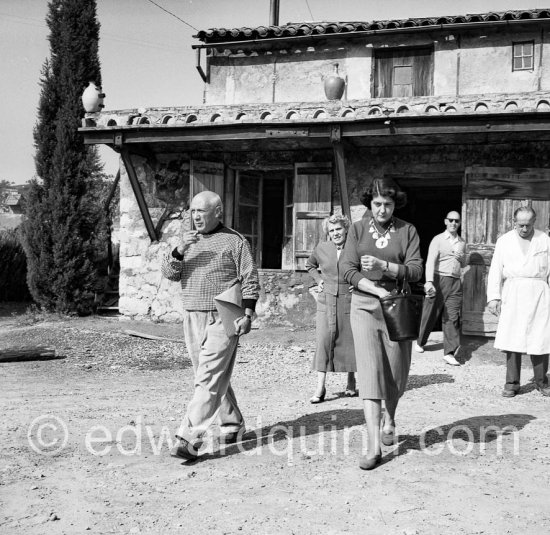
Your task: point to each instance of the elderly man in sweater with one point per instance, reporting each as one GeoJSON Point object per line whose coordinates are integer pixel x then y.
{"type": "Point", "coordinates": [208, 261]}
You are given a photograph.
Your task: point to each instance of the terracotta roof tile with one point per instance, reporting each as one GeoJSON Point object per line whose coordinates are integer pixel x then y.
{"type": "Point", "coordinates": [214, 35]}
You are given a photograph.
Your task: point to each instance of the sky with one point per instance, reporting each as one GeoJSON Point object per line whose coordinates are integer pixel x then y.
{"type": "Point", "coordinates": [146, 56]}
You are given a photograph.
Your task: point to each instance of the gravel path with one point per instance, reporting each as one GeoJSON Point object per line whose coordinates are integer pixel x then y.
{"type": "Point", "coordinates": [468, 461]}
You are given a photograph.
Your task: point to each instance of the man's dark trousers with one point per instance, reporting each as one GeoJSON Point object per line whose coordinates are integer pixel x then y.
{"type": "Point", "coordinates": [448, 298]}
{"type": "Point", "coordinates": [513, 370]}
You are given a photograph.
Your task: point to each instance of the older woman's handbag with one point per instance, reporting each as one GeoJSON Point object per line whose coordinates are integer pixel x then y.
{"type": "Point", "coordinates": [402, 312]}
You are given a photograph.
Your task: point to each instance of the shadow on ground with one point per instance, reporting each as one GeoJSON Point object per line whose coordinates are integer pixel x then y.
{"type": "Point", "coordinates": [482, 430]}
{"type": "Point", "coordinates": [475, 430]}
{"type": "Point", "coordinates": [419, 381]}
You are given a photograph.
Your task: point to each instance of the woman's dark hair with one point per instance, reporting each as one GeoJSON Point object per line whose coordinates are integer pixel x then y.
{"type": "Point", "coordinates": [384, 187]}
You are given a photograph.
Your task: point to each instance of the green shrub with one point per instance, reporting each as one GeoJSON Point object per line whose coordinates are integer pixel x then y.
{"type": "Point", "coordinates": [13, 268]}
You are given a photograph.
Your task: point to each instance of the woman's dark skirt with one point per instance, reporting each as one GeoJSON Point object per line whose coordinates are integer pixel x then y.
{"type": "Point", "coordinates": [335, 351]}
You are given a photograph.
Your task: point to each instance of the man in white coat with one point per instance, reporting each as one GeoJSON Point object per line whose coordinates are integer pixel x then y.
{"type": "Point", "coordinates": [518, 291]}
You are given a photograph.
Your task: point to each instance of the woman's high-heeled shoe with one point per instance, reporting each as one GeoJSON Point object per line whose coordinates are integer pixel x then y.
{"type": "Point", "coordinates": [387, 437]}
{"type": "Point", "coordinates": [318, 399]}
{"type": "Point", "coordinates": [368, 463]}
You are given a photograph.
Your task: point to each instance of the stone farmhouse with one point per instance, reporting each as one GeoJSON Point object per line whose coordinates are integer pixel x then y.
{"type": "Point", "coordinates": [455, 108]}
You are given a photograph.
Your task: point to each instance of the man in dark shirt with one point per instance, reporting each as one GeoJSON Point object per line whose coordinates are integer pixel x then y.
{"type": "Point", "coordinates": [210, 260]}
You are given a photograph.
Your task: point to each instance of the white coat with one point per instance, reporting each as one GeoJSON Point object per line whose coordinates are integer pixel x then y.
{"type": "Point", "coordinates": [521, 282]}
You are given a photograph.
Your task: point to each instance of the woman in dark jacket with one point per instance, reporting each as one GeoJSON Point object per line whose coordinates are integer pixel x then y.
{"type": "Point", "coordinates": [335, 352]}
{"type": "Point", "coordinates": [378, 249]}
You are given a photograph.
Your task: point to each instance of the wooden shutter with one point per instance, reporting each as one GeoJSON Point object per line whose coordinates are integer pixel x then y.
{"type": "Point", "coordinates": [383, 75]}
{"type": "Point", "coordinates": [423, 72]}
{"type": "Point", "coordinates": [312, 203]}
{"type": "Point", "coordinates": [403, 73]}
{"type": "Point", "coordinates": [491, 195]}
{"type": "Point", "coordinates": [206, 176]}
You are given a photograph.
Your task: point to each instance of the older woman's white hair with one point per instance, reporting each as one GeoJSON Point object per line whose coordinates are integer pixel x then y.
{"type": "Point", "coordinates": [333, 219]}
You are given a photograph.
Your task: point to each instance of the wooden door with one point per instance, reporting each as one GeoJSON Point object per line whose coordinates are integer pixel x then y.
{"type": "Point", "coordinates": [312, 203]}
{"type": "Point", "coordinates": [490, 197]}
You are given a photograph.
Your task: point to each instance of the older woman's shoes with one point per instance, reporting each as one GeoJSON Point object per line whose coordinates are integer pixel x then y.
{"type": "Point", "coordinates": [318, 399]}
{"type": "Point", "coordinates": [369, 463]}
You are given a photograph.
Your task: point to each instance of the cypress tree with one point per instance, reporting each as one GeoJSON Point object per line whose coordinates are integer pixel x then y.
{"type": "Point", "coordinates": [63, 220]}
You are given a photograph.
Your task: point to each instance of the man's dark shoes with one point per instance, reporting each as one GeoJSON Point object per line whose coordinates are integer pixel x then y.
{"type": "Point", "coordinates": [509, 393]}
{"type": "Point", "coordinates": [184, 450]}
{"type": "Point", "coordinates": [544, 390]}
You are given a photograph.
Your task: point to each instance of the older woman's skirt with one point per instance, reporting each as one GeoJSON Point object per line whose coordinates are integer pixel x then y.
{"type": "Point", "coordinates": [334, 352]}
{"type": "Point", "coordinates": [382, 365]}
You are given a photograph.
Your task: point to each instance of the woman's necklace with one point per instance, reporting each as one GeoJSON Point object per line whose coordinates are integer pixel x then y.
{"type": "Point", "coordinates": [381, 238]}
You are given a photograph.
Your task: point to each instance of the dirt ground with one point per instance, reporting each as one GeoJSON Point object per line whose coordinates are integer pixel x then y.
{"type": "Point", "coordinates": [85, 441]}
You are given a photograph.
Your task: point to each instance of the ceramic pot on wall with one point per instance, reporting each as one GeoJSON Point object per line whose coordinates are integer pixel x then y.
{"type": "Point", "coordinates": [92, 98]}
{"type": "Point", "coordinates": [334, 85]}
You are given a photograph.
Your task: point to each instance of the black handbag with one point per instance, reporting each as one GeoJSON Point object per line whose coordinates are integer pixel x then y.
{"type": "Point", "coordinates": [402, 312]}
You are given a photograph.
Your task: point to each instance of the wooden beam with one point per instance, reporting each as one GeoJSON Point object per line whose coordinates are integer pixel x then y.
{"type": "Point", "coordinates": [138, 193]}
{"type": "Point", "coordinates": [338, 150]}
{"type": "Point", "coordinates": [312, 215]}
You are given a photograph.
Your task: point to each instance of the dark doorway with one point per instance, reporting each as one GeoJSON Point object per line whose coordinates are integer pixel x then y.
{"type": "Point", "coordinates": [429, 201]}
{"type": "Point", "coordinates": [273, 223]}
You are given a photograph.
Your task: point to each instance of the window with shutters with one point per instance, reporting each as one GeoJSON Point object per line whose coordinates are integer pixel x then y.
{"type": "Point", "coordinates": [260, 211]}
{"type": "Point", "coordinates": [403, 72]}
{"type": "Point", "coordinates": [280, 212]}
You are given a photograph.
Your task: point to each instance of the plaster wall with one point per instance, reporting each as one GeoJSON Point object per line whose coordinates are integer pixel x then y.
{"type": "Point", "coordinates": [486, 64]}
{"type": "Point", "coordinates": [464, 64]}
{"type": "Point", "coordinates": [445, 67]}
{"type": "Point", "coordinates": [238, 80]}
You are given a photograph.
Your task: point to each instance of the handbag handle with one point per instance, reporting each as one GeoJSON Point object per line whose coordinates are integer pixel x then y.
{"type": "Point", "coordinates": [405, 288]}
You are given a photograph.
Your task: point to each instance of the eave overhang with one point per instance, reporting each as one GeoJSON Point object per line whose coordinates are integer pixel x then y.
{"type": "Point", "coordinates": [303, 135]}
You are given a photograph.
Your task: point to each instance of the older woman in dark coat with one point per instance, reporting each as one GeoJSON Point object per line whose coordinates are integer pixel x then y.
{"type": "Point", "coordinates": [378, 250]}
{"type": "Point", "coordinates": [335, 351]}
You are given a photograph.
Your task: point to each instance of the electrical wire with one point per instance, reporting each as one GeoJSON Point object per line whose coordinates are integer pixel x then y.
{"type": "Point", "coordinates": [175, 16]}
{"type": "Point", "coordinates": [307, 4]}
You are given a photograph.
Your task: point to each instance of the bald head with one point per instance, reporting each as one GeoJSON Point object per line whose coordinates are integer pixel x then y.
{"type": "Point", "coordinates": [206, 211]}
{"type": "Point", "coordinates": [207, 197]}
{"type": "Point", "coordinates": [452, 222]}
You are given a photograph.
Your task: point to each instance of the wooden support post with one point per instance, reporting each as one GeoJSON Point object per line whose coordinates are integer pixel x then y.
{"type": "Point", "coordinates": [338, 150]}
{"type": "Point", "coordinates": [127, 159]}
